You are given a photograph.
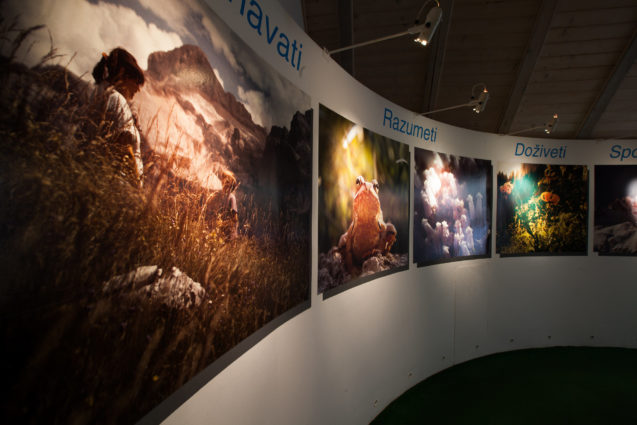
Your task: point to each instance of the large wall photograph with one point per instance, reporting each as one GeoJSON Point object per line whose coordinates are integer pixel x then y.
{"type": "Point", "coordinates": [542, 209]}
{"type": "Point", "coordinates": [156, 184]}
{"type": "Point", "coordinates": [363, 204]}
{"type": "Point", "coordinates": [452, 207]}
{"type": "Point", "coordinates": [615, 210]}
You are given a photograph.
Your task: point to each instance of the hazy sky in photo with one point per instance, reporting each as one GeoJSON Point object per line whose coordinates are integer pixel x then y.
{"type": "Point", "coordinates": [81, 30]}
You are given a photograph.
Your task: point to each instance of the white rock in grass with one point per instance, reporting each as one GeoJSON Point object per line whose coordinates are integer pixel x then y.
{"type": "Point", "coordinates": [149, 284]}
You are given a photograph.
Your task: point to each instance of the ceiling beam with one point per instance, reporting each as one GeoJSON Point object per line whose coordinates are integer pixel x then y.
{"type": "Point", "coordinates": [531, 55]}
{"type": "Point", "coordinates": [433, 72]}
{"type": "Point", "coordinates": [346, 37]}
{"type": "Point", "coordinates": [623, 65]}
{"type": "Point", "coordinates": [304, 12]}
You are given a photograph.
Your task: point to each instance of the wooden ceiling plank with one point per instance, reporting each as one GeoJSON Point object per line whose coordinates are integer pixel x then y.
{"type": "Point", "coordinates": [546, 110]}
{"type": "Point", "coordinates": [588, 18]}
{"type": "Point", "coordinates": [304, 11]}
{"type": "Point", "coordinates": [590, 34]}
{"type": "Point", "coordinates": [572, 61]}
{"type": "Point", "coordinates": [346, 38]}
{"type": "Point", "coordinates": [380, 6]}
{"type": "Point", "coordinates": [578, 5]}
{"type": "Point", "coordinates": [540, 31]}
{"type": "Point", "coordinates": [559, 98]}
{"type": "Point", "coordinates": [510, 26]}
{"type": "Point", "coordinates": [596, 110]}
{"type": "Point", "coordinates": [478, 41]}
{"type": "Point", "coordinates": [460, 56]}
{"type": "Point", "coordinates": [581, 73]}
{"type": "Point", "coordinates": [499, 10]}
{"type": "Point", "coordinates": [577, 47]}
{"type": "Point", "coordinates": [564, 87]}
{"type": "Point", "coordinates": [624, 102]}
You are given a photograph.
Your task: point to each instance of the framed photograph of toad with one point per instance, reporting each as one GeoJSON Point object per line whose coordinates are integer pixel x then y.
{"type": "Point", "coordinates": [363, 224]}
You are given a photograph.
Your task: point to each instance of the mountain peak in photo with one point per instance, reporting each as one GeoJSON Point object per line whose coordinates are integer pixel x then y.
{"type": "Point", "coordinates": [188, 63]}
{"type": "Point", "coordinates": [187, 67]}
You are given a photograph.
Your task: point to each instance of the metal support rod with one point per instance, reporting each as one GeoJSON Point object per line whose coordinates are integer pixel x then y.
{"type": "Point", "coordinates": [472, 103]}
{"type": "Point", "coordinates": [365, 43]}
{"type": "Point", "coordinates": [526, 129]}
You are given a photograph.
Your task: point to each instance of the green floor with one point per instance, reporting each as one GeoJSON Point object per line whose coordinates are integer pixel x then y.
{"type": "Point", "coordinates": [565, 385]}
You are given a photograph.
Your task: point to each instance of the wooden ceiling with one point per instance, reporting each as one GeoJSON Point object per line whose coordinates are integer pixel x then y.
{"type": "Point", "coordinates": [576, 58]}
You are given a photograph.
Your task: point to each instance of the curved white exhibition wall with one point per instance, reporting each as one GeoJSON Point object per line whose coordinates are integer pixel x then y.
{"type": "Point", "coordinates": [345, 358]}
{"type": "Point", "coordinates": [348, 356]}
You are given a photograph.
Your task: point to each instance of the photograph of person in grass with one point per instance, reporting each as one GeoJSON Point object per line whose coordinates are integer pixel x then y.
{"type": "Point", "coordinates": [363, 204]}
{"type": "Point", "coordinates": [155, 177]}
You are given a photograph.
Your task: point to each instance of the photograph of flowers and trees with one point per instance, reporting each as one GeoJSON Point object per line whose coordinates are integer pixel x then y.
{"type": "Point", "coordinates": [542, 209]}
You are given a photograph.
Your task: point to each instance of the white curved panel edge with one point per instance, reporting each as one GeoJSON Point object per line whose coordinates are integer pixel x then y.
{"type": "Point", "coordinates": [346, 358]}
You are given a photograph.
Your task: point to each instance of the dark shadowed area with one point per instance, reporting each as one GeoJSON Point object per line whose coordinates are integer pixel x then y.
{"type": "Point", "coordinates": [561, 385]}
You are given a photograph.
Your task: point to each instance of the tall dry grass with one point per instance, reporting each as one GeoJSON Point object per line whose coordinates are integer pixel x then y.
{"type": "Point", "coordinates": [72, 217]}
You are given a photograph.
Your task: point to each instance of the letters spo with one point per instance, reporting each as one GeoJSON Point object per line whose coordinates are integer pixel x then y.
{"type": "Point", "coordinates": [617, 151]}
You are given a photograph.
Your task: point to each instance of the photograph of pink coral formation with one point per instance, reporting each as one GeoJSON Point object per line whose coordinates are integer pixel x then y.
{"type": "Point", "coordinates": [452, 207]}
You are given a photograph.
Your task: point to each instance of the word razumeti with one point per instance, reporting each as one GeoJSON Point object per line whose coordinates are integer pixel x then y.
{"type": "Point", "coordinates": [409, 128]}
{"type": "Point", "coordinates": [539, 151]}
{"type": "Point", "coordinates": [255, 18]}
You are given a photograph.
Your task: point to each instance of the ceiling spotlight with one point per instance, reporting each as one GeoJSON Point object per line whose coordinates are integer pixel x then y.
{"type": "Point", "coordinates": [429, 27]}
{"type": "Point", "coordinates": [550, 126]}
{"type": "Point", "coordinates": [425, 31]}
{"type": "Point", "coordinates": [478, 101]}
{"type": "Point", "coordinates": [481, 102]}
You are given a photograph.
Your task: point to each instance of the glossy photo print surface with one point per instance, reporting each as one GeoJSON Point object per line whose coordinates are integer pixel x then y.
{"type": "Point", "coordinates": [155, 177]}
{"type": "Point", "coordinates": [542, 209]}
{"type": "Point", "coordinates": [363, 204]}
{"type": "Point", "coordinates": [615, 210]}
{"type": "Point", "coordinates": [452, 207]}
